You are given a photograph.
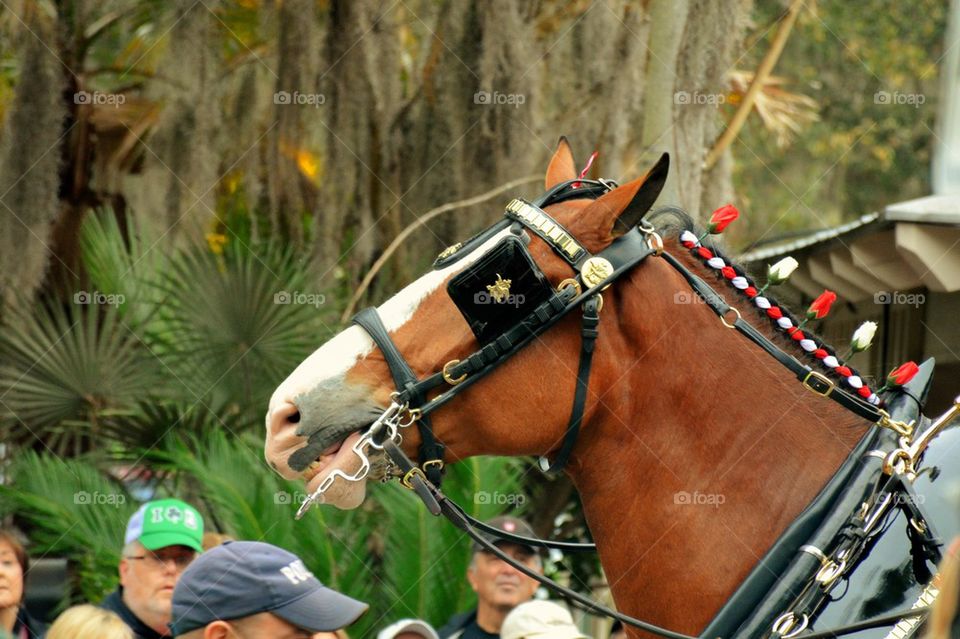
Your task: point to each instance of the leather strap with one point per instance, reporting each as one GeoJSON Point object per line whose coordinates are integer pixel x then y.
{"type": "Point", "coordinates": [431, 450]}
{"type": "Point", "coordinates": [588, 333]}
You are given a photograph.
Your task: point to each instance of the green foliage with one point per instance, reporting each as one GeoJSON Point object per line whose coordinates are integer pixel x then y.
{"type": "Point", "coordinates": [856, 60]}
{"type": "Point", "coordinates": [75, 511]}
{"type": "Point", "coordinates": [64, 368]}
{"type": "Point", "coordinates": [235, 324]}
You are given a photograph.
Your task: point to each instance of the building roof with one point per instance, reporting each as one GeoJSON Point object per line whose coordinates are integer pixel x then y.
{"type": "Point", "coordinates": [908, 245]}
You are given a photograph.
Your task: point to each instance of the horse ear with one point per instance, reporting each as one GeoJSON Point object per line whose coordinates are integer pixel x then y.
{"type": "Point", "coordinates": [562, 167]}
{"type": "Point", "coordinates": [625, 206]}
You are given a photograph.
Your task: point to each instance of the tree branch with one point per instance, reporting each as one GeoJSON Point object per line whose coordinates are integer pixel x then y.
{"type": "Point", "coordinates": [759, 78]}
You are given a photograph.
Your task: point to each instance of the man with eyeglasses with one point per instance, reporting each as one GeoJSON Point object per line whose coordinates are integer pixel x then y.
{"type": "Point", "coordinates": [163, 537]}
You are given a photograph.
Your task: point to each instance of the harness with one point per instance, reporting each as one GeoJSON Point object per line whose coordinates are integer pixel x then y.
{"type": "Point", "coordinates": [507, 301]}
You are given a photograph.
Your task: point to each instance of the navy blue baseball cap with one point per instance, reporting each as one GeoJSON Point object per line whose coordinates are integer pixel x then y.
{"type": "Point", "coordinates": [242, 578]}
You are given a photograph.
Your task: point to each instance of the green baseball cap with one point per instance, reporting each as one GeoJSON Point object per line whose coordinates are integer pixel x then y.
{"type": "Point", "coordinates": [166, 522]}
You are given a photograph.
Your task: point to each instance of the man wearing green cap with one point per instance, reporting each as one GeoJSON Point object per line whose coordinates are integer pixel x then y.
{"type": "Point", "coordinates": [162, 538]}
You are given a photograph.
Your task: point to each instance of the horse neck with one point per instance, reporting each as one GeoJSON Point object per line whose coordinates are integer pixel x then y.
{"type": "Point", "coordinates": [699, 452]}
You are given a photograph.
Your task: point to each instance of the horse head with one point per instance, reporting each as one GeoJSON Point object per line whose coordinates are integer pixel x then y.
{"type": "Point", "coordinates": [316, 413]}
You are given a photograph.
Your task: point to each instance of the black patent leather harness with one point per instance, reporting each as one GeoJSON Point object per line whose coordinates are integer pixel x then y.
{"type": "Point", "coordinates": [624, 253]}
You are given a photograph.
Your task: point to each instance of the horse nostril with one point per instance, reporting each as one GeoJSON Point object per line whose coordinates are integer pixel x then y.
{"type": "Point", "coordinates": [294, 418]}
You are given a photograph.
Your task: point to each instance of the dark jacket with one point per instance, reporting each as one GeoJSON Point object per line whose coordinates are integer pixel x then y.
{"type": "Point", "coordinates": [35, 629]}
{"type": "Point", "coordinates": [114, 602]}
{"type": "Point", "coordinates": [457, 623]}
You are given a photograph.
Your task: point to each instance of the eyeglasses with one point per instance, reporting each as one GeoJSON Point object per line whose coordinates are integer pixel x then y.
{"type": "Point", "coordinates": [180, 560]}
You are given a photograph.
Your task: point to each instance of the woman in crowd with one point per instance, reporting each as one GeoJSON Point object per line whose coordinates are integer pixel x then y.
{"type": "Point", "coordinates": [14, 620]}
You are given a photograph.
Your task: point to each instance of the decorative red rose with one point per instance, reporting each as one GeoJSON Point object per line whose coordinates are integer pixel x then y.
{"type": "Point", "coordinates": [902, 374]}
{"type": "Point", "coordinates": [821, 306]}
{"type": "Point", "coordinates": [721, 218]}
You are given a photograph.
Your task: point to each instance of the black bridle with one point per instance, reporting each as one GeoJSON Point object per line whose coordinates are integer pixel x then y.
{"type": "Point", "coordinates": [583, 291]}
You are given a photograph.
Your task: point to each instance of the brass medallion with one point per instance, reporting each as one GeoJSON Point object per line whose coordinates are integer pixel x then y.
{"type": "Point", "coordinates": [595, 270]}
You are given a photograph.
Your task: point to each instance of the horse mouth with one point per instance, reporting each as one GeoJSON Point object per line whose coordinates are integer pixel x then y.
{"type": "Point", "coordinates": [322, 461]}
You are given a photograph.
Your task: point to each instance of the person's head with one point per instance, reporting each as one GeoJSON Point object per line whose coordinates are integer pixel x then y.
{"type": "Point", "coordinates": [89, 622]}
{"type": "Point", "coordinates": [408, 629]}
{"type": "Point", "coordinates": [248, 589]}
{"type": "Point", "coordinates": [14, 564]}
{"type": "Point", "coordinates": [540, 620]}
{"type": "Point", "coordinates": [163, 537]}
{"type": "Point", "coordinates": [498, 584]}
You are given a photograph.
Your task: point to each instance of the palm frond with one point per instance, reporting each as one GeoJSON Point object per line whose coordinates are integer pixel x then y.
{"type": "Point", "coordinates": [67, 365]}
{"type": "Point", "coordinates": [231, 323]}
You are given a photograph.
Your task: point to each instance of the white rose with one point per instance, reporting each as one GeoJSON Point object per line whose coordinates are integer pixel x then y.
{"type": "Point", "coordinates": [863, 336]}
{"type": "Point", "coordinates": [780, 271]}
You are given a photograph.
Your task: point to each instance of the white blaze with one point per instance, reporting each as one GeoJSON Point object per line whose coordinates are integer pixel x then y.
{"type": "Point", "coordinates": [339, 354]}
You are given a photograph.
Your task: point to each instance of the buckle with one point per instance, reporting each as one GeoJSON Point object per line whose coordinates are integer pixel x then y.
{"type": "Point", "coordinates": [818, 383]}
{"type": "Point", "coordinates": [407, 480]}
{"type": "Point", "coordinates": [432, 462]}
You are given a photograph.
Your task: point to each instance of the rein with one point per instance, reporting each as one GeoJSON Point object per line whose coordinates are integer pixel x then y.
{"type": "Point", "coordinates": [410, 404]}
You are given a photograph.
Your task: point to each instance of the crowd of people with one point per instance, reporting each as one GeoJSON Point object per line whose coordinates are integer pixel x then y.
{"type": "Point", "coordinates": [174, 581]}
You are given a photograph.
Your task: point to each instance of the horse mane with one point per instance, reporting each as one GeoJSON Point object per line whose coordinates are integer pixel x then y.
{"type": "Point", "coordinates": [670, 221]}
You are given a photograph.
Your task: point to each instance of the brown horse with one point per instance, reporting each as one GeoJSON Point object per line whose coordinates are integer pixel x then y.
{"type": "Point", "coordinates": [697, 449]}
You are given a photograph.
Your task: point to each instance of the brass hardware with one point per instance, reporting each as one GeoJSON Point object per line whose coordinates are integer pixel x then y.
{"type": "Point", "coordinates": [724, 319]}
{"type": "Point", "coordinates": [569, 282]}
{"type": "Point", "coordinates": [655, 242]}
{"type": "Point", "coordinates": [554, 234]}
{"type": "Point", "coordinates": [822, 379]}
{"type": "Point", "coordinates": [450, 250]}
{"type": "Point", "coordinates": [906, 430]}
{"type": "Point", "coordinates": [919, 526]}
{"type": "Point", "coordinates": [595, 270]}
{"type": "Point", "coordinates": [830, 572]}
{"type": "Point", "coordinates": [815, 552]}
{"type": "Point", "coordinates": [412, 416]}
{"type": "Point", "coordinates": [787, 627]}
{"type": "Point", "coordinates": [407, 479]}
{"type": "Point", "coordinates": [500, 289]}
{"type": "Point", "coordinates": [432, 462]}
{"type": "Point", "coordinates": [928, 435]}
{"type": "Point", "coordinates": [898, 461]}
{"type": "Point", "coordinates": [599, 303]}
{"type": "Point", "coordinates": [446, 373]}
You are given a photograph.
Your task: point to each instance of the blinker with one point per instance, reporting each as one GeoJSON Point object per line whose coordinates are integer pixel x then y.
{"type": "Point", "coordinates": [499, 289]}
